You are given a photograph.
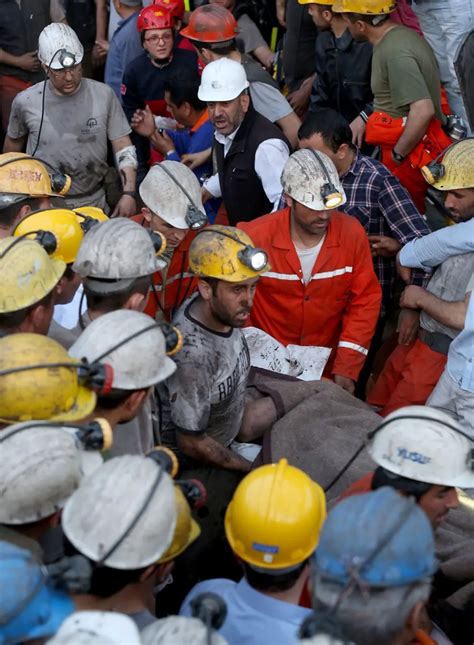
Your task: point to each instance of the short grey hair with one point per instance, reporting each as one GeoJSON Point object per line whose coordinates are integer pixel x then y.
{"type": "Point", "coordinates": [369, 616]}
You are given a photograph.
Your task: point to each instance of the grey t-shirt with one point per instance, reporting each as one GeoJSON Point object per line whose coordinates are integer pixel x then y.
{"type": "Point", "coordinates": [75, 129]}
{"type": "Point", "coordinates": [249, 34]}
{"type": "Point", "coordinates": [269, 101]}
{"type": "Point", "coordinates": [207, 391]}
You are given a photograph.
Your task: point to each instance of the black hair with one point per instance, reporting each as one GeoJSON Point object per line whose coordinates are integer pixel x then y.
{"type": "Point", "coordinates": [332, 126]}
{"type": "Point", "coordinates": [383, 477]}
{"type": "Point", "coordinates": [183, 88]}
{"type": "Point", "coordinates": [10, 322]}
{"type": "Point", "coordinates": [272, 582]}
{"type": "Point", "coordinates": [9, 213]}
{"type": "Point", "coordinates": [213, 283]}
{"type": "Point", "coordinates": [221, 49]}
{"type": "Point", "coordinates": [105, 581]}
{"type": "Point", "coordinates": [107, 302]}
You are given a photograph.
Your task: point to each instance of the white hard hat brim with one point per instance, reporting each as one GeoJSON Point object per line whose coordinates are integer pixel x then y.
{"type": "Point", "coordinates": [210, 95]}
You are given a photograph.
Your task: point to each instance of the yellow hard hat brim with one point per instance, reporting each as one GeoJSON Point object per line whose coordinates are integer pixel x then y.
{"type": "Point", "coordinates": [194, 533]}
{"type": "Point", "coordinates": [84, 405]}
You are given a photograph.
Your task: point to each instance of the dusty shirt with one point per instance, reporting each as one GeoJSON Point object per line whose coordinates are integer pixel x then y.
{"type": "Point", "coordinates": [207, 391]}
{"type": "Point", "coordinates": [75, 130]}
{"type": "Point", "coordinates": [404, 70]}
{"type": "Point", "coordinates": [449, 282]}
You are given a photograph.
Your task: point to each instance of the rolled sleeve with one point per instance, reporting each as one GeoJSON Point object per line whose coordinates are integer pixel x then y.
{"type": "Point", "coordinates": [433, 249]}
{"type": "Point", "coordinates": [213, 186]}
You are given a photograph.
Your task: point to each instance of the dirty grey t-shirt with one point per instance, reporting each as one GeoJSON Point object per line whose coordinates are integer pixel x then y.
{"type": "Point", "coordinates": [207, 391]}
{"type": "Point", "coordinates": [75, 129]}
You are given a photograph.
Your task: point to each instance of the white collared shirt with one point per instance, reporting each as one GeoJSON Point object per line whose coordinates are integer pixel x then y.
{"type": "Point", "coordinates": [270, 159]}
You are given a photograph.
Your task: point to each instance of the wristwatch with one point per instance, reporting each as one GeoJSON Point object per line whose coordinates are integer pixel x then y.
{"type": "Point", "coordinates": [130, 193]}
{"type": "Point", "coordinates": [398, 157]}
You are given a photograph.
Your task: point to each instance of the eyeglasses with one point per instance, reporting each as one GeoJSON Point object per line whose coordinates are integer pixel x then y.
{"type": "Point", "coordinates": [61, 73]}
{"type": "Point", "coordinates": [166, 38]}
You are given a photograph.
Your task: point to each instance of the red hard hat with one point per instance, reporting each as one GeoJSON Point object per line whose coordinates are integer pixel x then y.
{"type": "Point", "coordinates": [174, 7]}
{"type": "Point", "coordinates": [211, 23]}
{"type": "Point", "coordinates": [154, 17]}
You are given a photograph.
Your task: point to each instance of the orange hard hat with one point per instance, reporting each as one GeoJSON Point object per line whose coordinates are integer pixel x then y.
{"type": "Point", "coordinates": [211, 23]}
{"type": "Point", "coordinates": [174, 7]}
{"type": "Point", "coordinates": [154, 17]}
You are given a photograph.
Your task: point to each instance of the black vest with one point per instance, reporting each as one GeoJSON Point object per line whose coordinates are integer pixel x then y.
{"type": "Point", "coordinates": [242, 190]}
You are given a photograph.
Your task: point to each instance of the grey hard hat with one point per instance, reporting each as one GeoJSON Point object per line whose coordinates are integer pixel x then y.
{"type": "Point", "coordinates": [124, 514]}
{"type": "Point", "coordinates": [114, 254]}
{"type": "Point", "coordinates": [139, 362]}
{"type": "Point", "coordinates": [41, 465]}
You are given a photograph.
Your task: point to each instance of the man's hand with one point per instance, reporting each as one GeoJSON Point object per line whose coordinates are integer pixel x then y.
{"type": "Point", "coordinates": [358, 131]}
{"type": "Point", "coordinates": [384, 246]}
{"type": "Point", "coordinates": [29, 62]}
{"type": "Point", "coordinates": [346, 383]}
{"type": "Point", "coordinates": [408, 324]}
{"type": "Point", "coordinates": [101, 47]}
{"type": "Point", "coordinates": [126, 207]}
{"type": "Point", "coordinates": [299, 99]}
{"type": "Point", "coordinates": [162, 142]}
{"type": "Point", "coordinates": [403, 272]}
{"type": "Point", "coordinates": [411, 297]}
{"type": "Point", "coordinates": [205, 195]}
{"type": "Point", "coordinates": [195, 159]}
{"type": "Point", "coordinates": [143, 122]}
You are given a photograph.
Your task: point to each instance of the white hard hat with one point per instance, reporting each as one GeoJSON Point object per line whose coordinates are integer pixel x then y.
{"type": "Point", "coordinates": [310, 178]}
{"type": "Point", "coordinates": [179, 630]}
{"type": "Point", "coordinates": [222, 80]}
{"type": "Point", "coordinates": [97, 628]}
{"type": "Point", "coordinates": [59, 46]}
{"type": "Point", "coordinates": [41, 465]}
{"type": "Point", "coordinates": [117, 250]}
{"type": "Point", "coordinates": [124, 514]}
{"type": "Point", "coordinates": [165, 198]}
{"type": "Point", "coordinates": [139, 362]}
{"type": "Point", "coordinates": [424, 444]}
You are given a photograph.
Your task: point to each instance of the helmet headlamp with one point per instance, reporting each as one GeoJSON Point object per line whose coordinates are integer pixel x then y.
{"type": "Point", "coordinates": [253, 258]}
{"type": "Point", "coordinates": [195, 218]}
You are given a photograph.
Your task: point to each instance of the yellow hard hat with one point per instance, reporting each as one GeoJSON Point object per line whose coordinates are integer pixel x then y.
{"type": "Point", "coordinates": [27, 273]}
{"type": "Point", "coordinates": [42, 393]}
{"type": "Point", "coordinates": [456, 171]}
{"type": "Point", "coordinates": [324, 2]}
{"type": "Point", "coordinates": [89, 215]}
{"type": "Point", "coordinates": [275, 517]}
{"type": "Point", "coordinates": [186, 530]}
{"type": "Point", "coordinates": [24, 175]}
{"type": "Point", "coordinates": [226, 253]}
{"type": "Point", "coordinates": [365, 7]}
{"type": "Point", "coordinates": [64, 225]}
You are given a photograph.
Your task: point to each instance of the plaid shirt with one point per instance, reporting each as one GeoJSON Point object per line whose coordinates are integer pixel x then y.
{"type": "Point", "coordinates": [383, 207]}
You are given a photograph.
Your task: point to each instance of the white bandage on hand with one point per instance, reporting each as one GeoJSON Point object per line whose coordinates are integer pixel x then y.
{"type": "Point", "coordinates": [127, 157]}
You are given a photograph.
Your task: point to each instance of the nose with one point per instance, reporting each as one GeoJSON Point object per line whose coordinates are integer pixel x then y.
{"type": "Point", "coordinates": [450, 201]}
{"type": "Point", "coordinates": [452, 499]}
{"type": "Point", "coordinates": [218, 111]}
{"type": "Point", "coordinates": [180, 233]}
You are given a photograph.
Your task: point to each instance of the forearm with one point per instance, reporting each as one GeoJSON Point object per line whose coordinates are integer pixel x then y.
{"type": "Point", "coordinates": [14, 145]}
{"type": "Point", "coordinates": [419, 117]}
{"type": "Point", "coordinates": [205, 449]}
{"type": "Point", "coordinates": [101, 17]}
{"type": "Point", "coordinates": [9, 59]}
{"type": "Point", "coordinates": [290, 125]}
{"type": "Point", "coordinates": [126, 158]}
{"type": "Point", "coordinates": [451, 314]}
{"type": "Point", "coordinates": [432, 249]}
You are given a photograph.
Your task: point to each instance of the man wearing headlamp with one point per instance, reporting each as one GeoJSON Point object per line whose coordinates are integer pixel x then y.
{"type": "Point", "coordinates": [68, 121]}
{"type": "Point", "coordinates": [322, 289]}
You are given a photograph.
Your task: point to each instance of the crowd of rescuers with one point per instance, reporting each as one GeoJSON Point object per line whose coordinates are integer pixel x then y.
{"type": "Point", "coordinates": [145, 223]}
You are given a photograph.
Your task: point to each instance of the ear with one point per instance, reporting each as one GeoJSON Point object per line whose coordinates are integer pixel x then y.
{"type": "Point", "coordinates": [133, 404]}
{"type": "Point", "coordinates": [415, 618]}
{"type": "Point", "coordinates": [342, 151]}
{"type": "Point", "coordinates": [205, 290]}
{"type": "Point", "coordinates": [146, 214]}
{"type": "Point", "coordinates": [187, 107]}
{"type": "Point", "coordinates": [164, 570]}
{"type": "Point", "coordinates": [288, 200]}
{"type": "Point", "coordinates": [245, 102]}
{"type": "Point", "coordinates": [40, 317]}
{"type": "Point", "coordinates": [136, 302]}
{"type": "Point", "coordinates": [327, 15]}
{"type": "Point", "coordinates": [149, 572]}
